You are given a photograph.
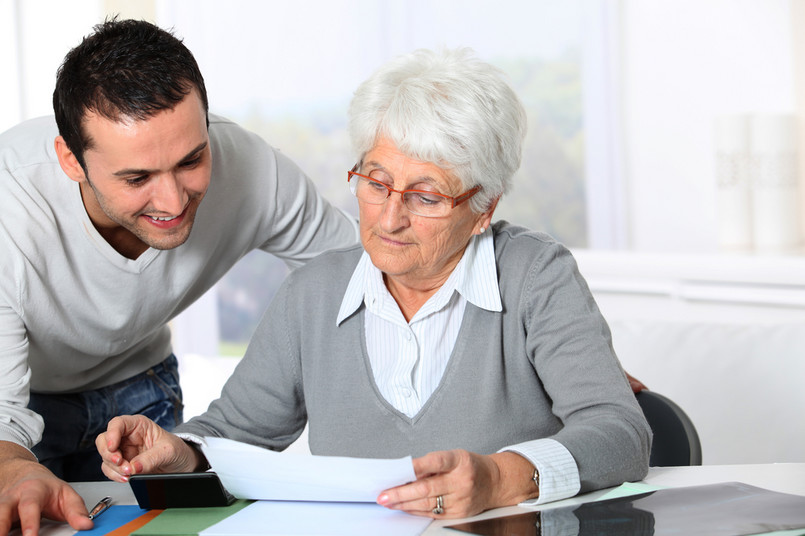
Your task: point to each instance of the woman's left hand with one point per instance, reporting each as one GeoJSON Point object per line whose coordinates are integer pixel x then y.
{"type": "Point", "coordinates": [468, 484]}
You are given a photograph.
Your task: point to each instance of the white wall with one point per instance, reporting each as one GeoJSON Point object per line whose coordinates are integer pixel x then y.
{"type": "Point", "coordinates": [720, 335]}
{"type": "Point", "coordinates": [43, 31]}
{"type": "Point", "coordinates": [684, 62]}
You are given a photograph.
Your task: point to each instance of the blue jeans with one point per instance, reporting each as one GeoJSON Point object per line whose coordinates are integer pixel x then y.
{"type": "Point", "coordinates": [73, 421]}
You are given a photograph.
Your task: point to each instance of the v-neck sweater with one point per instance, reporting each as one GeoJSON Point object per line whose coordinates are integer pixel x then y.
{"type": "Point", "coordinates": [544, 367]}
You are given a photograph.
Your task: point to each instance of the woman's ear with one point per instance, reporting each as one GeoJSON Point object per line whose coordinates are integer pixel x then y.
{"type": "Point", "coordinates": [68, 161]}
{"type": "Point", "coordinates": [486, 218]}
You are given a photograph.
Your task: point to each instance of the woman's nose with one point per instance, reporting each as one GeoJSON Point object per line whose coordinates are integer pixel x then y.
{"type": "Point", "coordinates": [395, 214]}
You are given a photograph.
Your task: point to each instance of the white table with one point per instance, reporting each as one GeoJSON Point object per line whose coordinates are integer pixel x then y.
{"type": "Point", "coordinates": [783, 477]}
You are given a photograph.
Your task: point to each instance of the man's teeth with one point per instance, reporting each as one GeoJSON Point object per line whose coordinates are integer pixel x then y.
{"type": "Point", "coordinates": [169, 218]}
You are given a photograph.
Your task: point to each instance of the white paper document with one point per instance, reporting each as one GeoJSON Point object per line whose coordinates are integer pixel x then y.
{"type": "Point", "coordinates": [251, 472]}
{"type": "Point", "coordinates": [267, 518]}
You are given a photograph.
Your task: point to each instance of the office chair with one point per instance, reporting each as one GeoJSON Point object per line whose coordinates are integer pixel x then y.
{"type": "Point", "coordinates": [676, 441]}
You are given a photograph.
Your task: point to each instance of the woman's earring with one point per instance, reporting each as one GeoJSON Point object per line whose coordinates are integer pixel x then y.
{"type": "Point", "coordinates": [481, 230]}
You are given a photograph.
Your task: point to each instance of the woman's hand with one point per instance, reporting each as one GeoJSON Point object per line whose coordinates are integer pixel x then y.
{"type": "Point", "coordinates": [468, 483]}
{"type": "Point", "coordinates": [134, 444]}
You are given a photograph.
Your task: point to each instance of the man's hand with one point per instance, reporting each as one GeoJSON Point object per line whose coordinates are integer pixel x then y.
{"type": "Point", "coordinates": [29, 491]}
{"type": "Point", "coordinates": [635, 384]}
{"type": "Point", "coordinates": [133, 444]}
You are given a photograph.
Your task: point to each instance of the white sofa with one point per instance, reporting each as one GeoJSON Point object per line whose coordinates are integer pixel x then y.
{"type": "Point", "coordinates": [722, 335]}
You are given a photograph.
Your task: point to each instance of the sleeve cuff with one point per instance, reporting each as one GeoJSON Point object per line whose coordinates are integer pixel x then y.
{"type": "Point", "coordinates": [11, 438]}
{"type": "Point", "coordinates": [191, 438]}
{"type": "Point", "coordinates": [558, 472]}
{"type": "Point", "coordinates": [198, 441]}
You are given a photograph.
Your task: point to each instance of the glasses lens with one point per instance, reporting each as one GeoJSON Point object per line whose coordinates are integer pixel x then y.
{"type": "Point", "coordinates": [368, 191]}
{"type": "Point", "coordinates": [424, 204]}
{"type": "Point", "coordinates": [430, 205]}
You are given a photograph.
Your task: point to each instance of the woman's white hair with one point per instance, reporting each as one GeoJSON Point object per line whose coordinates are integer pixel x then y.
{"type": "Point", "coordinates": [448, 108]}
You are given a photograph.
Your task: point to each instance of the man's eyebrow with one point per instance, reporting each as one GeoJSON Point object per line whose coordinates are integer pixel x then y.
{"type": "Point", "coordinates": [132, 171]}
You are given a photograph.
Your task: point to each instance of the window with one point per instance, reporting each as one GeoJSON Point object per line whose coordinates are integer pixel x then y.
{"type": "Point", "coordinates": [621, 97]}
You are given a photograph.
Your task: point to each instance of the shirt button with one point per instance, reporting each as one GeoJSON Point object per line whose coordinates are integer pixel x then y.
{"type": "Point", "coordinates": [406, 393]}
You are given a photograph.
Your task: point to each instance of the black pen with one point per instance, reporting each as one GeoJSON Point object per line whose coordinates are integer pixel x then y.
{"type": "Point", "coordinates": [100, 508]}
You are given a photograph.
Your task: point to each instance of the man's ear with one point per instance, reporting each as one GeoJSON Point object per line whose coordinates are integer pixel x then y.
{"type": "Point", "coordinates": [68, 161]}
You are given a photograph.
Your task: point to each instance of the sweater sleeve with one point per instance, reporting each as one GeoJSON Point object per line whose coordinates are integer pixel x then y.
{"type": "Point", "coordinates": [293, 220]}
{"type": "Point", "coordinates": [262, 199]}
{"type": "Point", "coordinates": [570, 345]}
{"type": "Point", "coordinates": [18, 424]}
{"type": "Point", "coordinates": [305, 224]}
{"type": "Point", "coordinates": [262, 403]}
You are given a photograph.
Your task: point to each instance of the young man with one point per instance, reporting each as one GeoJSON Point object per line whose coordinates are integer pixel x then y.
{"type": "Point", "coordinates": [110, 225]}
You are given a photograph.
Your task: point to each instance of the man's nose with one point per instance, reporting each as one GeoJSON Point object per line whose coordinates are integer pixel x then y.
{"type": "Point", "coordinates": [169, 195]}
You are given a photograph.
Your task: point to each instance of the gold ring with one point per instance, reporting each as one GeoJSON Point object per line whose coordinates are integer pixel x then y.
{"type": "Point", "coordinates": [439, 505]}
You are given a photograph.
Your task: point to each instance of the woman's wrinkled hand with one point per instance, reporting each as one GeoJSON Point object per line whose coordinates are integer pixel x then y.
{"type": "Point", "coordinates": [468, 483]}
{"type": "Point", "coordinates": [134, 444]}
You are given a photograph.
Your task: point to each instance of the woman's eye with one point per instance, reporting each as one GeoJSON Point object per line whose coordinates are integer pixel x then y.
{"type": "Point", "coordinates": [377, 186]}
{"type": "Point", "coordinates": [427, 199]}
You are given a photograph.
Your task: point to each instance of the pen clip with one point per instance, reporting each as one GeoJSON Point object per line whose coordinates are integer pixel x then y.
{"type": "Point", "coordinates": [101, 507]}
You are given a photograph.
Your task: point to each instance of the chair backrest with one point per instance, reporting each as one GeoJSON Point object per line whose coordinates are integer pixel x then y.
{"type": "Point", "coordinates": [676, 442]}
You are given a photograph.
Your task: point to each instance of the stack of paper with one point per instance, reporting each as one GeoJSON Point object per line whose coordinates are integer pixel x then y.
{"type": "Point", "coordinates": [250, 472]}
{"type": "Point", "coordinates": [310, 495]}
{"type": "Point", "coordinates": [266, 518]}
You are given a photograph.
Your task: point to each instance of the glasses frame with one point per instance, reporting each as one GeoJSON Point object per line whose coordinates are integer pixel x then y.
{"type": "Point", "coordinates": [455, 201]}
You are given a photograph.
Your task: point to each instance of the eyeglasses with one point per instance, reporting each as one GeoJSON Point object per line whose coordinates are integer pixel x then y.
{"type": "Point", "coordinates": [419, 202]}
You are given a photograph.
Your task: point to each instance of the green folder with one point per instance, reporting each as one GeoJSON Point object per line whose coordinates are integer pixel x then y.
{"type": "Point", "coordinates": [189, 521]}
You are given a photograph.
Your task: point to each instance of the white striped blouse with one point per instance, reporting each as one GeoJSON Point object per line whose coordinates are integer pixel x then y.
{"type": "Point", "coordinates": [408, 359]}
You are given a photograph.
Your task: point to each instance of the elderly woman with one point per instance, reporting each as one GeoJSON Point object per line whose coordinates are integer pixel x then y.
{"type": "Point", "coordinates": [475, 347]}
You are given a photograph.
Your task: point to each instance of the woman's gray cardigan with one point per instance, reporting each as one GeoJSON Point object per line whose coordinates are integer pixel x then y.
{"type": "Point", "coordinates": [543, 367]}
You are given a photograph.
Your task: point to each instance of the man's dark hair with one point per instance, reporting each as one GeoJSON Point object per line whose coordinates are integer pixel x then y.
{"type": "Point", "coordinates": [125, 68]}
